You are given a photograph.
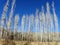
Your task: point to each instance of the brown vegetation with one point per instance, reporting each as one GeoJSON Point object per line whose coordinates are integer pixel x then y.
{"type": "Point", "coordinates": [8, 42]}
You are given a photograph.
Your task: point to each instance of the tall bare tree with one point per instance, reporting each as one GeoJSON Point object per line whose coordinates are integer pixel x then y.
{"type": "Point", "coordinates": [55, 20]}
{"type": "Point", "coordinates": [10, 18]}
{"type": "Point", "coordinates": [43, 21]}
{"type": "Point", "coordinates": [36, 23]}
{"type": "Point", "coordinates": [22, 25]}
{"type": "Point", "coordinates": [4, 16]}
{"type": "Point", "coordinates": [16, 24]}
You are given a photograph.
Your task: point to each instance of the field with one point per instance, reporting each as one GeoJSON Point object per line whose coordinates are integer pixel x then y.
{"type": "Point", "coordinates": [12, 42]}
{"type": "Point", "coordinates": [40, 43]}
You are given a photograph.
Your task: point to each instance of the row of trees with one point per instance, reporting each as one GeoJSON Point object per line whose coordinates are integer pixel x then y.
{"type": "Point", "coordinates": [31, 26]}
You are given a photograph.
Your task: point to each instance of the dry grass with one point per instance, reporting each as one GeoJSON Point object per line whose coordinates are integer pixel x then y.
{"type": "Point", "coordinates": [11, 42]}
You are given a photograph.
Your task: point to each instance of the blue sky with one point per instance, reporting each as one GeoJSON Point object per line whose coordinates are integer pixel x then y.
{"type": "Point", "coordinates": [29, 7]}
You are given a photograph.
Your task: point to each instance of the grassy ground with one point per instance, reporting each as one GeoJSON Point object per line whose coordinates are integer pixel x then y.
{"type": "Point", "coordinates": [11, 42]}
